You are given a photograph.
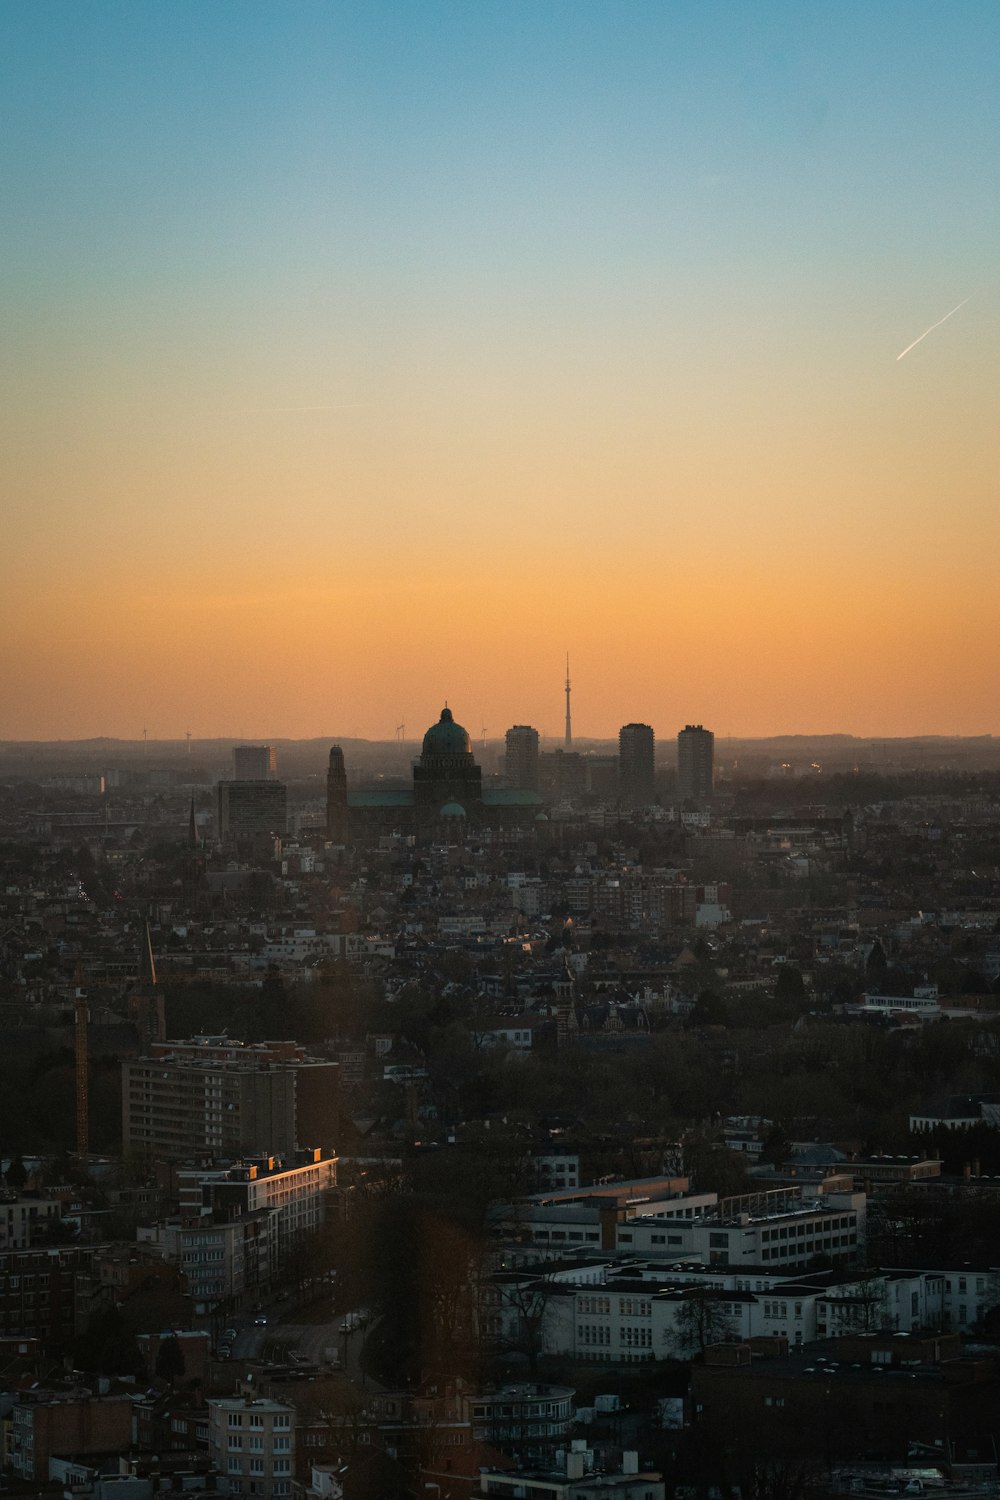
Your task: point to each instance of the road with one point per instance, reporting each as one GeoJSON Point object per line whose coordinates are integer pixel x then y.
{"type": "Point", "coordinates": [277, 1340]}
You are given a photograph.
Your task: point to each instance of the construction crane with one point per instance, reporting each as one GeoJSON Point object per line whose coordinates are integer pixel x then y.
{"type": "Point", "coordinates": [81, 1016]}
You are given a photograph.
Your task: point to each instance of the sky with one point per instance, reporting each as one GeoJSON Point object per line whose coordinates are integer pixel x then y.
{"type": "Point", "coordinates": [360, 356]}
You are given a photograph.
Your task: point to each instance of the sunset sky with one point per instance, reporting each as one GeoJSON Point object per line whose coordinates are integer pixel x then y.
{"type": "Point", "coordinates": [356, 356]}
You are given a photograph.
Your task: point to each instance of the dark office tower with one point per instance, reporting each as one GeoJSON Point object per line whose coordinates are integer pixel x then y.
{"type": "Point", "coordinates": [636, 762]}
{"type": "Point", "coordinates": [336, 798]}
{"type": "Point", "coordinates": [252, 813]}
{"type": "Point", "coordinates": [521, 762]}
{"type": "Point", "coordinates": [695, 763]}
{"type": "Point", "coordinates": [254, 763]}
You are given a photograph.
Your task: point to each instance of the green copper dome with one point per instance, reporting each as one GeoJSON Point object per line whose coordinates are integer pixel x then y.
{"type": "Point", "coordinates": [446, 738]}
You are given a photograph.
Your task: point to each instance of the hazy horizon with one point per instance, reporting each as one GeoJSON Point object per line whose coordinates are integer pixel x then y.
{"type": "Point", "coordinates": [361, 356]}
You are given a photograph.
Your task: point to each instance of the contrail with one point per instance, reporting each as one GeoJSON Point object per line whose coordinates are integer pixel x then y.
{"type": "Point", "coordinates": [933, 326]}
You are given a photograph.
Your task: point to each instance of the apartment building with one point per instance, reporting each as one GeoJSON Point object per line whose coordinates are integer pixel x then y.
{"type": "Point", "coordinates": [214, 1097]}
{"type": "Point", "coordinates": [297, 1190]}
{"type": "Point", "coordinates": [23, 1221]}
{"type": "Point", "coordinates": [575, 1479]}
{"type": "Point", "coordinates": [226, 1262]}
{"type": "Point", "coordinates": [39, 1291]}
{"type": "Point", "coordinates": [251, 1442]}
{"type": "Point", "coordinates": [48, 1423]}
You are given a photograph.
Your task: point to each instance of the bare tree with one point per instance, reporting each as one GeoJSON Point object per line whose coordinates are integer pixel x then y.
{"type": "Point", "coordinates": [512, 1312]}
{"type": "Point", "coordinates": [702, 1318]}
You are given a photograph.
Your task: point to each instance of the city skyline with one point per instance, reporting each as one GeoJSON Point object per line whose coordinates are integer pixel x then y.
{"type": "Point", "coordinates": [361, 357]}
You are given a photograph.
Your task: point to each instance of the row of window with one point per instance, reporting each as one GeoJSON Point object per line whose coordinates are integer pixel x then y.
{"type": "Point", "coordinates": [256, 1466]}
{"type": "Point", "coordinates": [256, 1444]}
{"type": "Point", "coordinates": [257, 1419]}
{"type": "Point", "coordinates": [780, 1309]}
{"type": "Point", "coordinates": [593, 1304]}
{"type": "Point", "coordinates": [811, 1226]}
{"type": "Point", "coordinates": [827, 1242]}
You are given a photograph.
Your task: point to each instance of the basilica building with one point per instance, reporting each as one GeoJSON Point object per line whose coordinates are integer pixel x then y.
{"type": "Point", "coordinates": [447, 795]}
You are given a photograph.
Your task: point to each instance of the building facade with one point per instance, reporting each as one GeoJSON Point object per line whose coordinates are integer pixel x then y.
{"type": "Point", "coordinates": [297, 1190]}
{"type": "Point", "coordinates": [255, 763]}
{"type": "Point", "coordinates": [695, 763]}
{"type": "Point", "coordinates": [251, 812]}
{"type": "Point", "coordinates": [636, 764]}
{"type": "Point", "coordinates": [521, 757]}
{"type": "Point", "coordinates": [213, 1097]}
{"type": "Point", "coordinates": [48, 1423]}
{"type": "Point", "coordinates": [251, 1442]}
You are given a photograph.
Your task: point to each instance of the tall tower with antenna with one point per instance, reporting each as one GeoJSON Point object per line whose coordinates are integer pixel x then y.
{"type": "Point", "coordinates": [569, 720]}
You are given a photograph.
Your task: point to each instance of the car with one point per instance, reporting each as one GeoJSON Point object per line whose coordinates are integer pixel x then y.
{"type": "Point", "coordinates": [229, 1335]}
{"type": "Point", "coordinates": [260, 1321]}
{"type": "Point", "coordinates": [225, 1352]}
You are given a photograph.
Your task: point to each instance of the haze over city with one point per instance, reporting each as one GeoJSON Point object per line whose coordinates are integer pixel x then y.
{"type": "Point", "coordinates": [360, 357]}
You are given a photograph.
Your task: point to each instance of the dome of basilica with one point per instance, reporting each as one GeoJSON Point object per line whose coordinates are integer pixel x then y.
{"type": "Point", "coordinates": [446, 738]}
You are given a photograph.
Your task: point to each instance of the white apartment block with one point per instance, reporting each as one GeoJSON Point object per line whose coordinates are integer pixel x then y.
{"type": "Point", "coordinates": [251, 1442]}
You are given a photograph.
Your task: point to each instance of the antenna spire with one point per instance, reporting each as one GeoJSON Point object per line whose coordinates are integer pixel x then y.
{"type": "Point", "coordinates": [569, 720]}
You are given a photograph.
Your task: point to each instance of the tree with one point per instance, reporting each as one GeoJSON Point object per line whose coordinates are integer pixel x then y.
{"type": "Point", "coordinates": [701, 1318]}
{"type": "Point", "coordinates": [17, 1174]}
{"type": "Point", "coordinates": [790, 989]}
{"type": "Point", "coordinates": [708, 1010]}
{"type": "Point", "coordinates": [512, 1311]}
{"type": "Point", "coordinates": [108, 1347]}
{"type": "Point", "coordinates": [170, 1360]}
{"type": "Point", "coordinates": [777, 1147]}
{"type": "Point", "coordinates": [861, 1308]}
